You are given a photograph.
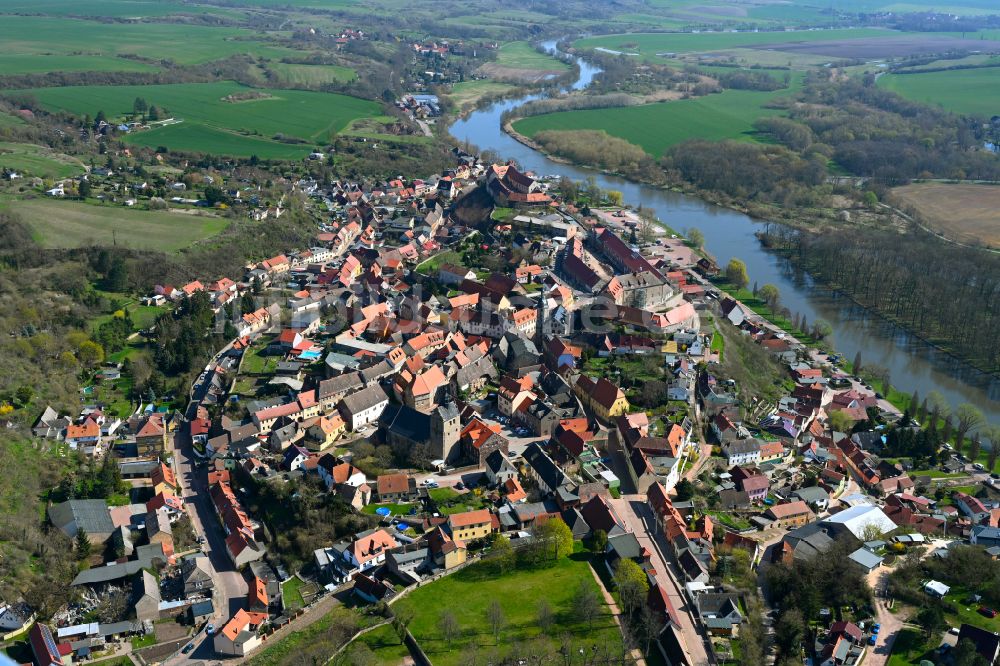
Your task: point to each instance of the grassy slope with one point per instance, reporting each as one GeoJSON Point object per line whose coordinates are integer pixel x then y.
{"type": "Point", "coordinates": [41, 64]}
{"type": "Point", "coordinates": [467, 93]}
{"type": "Point", "coordinates": [72, 224]}
{"type": "Point", "coordinates": [39, 161]}
{"type": "Point", "coordinates": [656, 127]}
{"type": "Point", "coordinates": [469, 592]}
{"type": "Point", "coordinates": [973, 91]}
{"type": "Point", "coordinates": [208, 120]}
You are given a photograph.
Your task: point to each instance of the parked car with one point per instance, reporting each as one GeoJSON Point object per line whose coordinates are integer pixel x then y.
{"type": "Point", "coordinates": [986, 611]}
{"type": "Point", "coordinates": [876, 628]}
{"type": "Point", "coordinates": [980, 467]}
{"type": "Point", "coordinates": [188, 648]}
{"type": "Point", "coordinates": [210, 629]}
{"type": "Point", "coordinates": [872, 639]}
{"type": "Point", "coordinates": [460, 486]}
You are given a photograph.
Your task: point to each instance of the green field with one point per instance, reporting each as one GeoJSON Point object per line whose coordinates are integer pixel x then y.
{"type": "Point", "coordinates": [656, 127]}
{"type": "Point", "coordinates": [185, 44]}
{"type": "Point", "coordinates": [522, 55]}
{"type": "Point", "coordinates": [10, 120]}
{"type": "Point", "coordinates": [971, 91]}
{"type": "Point", "coordinates": [467, 93]}
{"type": "Point", "coordinates": [649, 44]}
{"type": "Point", "coordinates": [212, 125]}
{"type": "Point", "coordinates": [31, 160]}
{"type": "Point", "coordinates": [312, 75]}
{"type": "Point", "coordinates": [108, 8]}
{"type": "Point", "coordinates": [60, 224]}
{"type": "Point", "coordinates": [469, 592]}
{"type": "Point", "coordinates": [42, 64]}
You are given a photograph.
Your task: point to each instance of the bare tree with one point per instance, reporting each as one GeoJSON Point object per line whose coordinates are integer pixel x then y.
{"type": "Point", "coordinates": [496, 618]}
{"type": "Point", "coordinates": [546, 617]}
{"type": "Point", "coordinates": [586, 605]}
{"type": "Point", "coordinates": [448, 625]}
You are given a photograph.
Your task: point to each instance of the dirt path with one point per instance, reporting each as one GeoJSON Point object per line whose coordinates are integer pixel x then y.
{"type": "Point", "coordinates": [616, 613]}
{"type": "Point", "coordinates": [890, 623]}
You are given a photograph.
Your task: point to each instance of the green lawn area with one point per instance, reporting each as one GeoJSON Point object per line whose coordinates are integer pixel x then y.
{"type": "Point", "coordinates": [656, 127]}
{"type": "Point", "coordinates": [522, 55]}
{"type": "Point", "coordinates": [431, 266]}
{"type": "Point", "coordinates": [385, 644]}
{"type": "Point", "coordinates": [967, 91]}
{"type": "Point", "coordinates": [209, 124]}
{"type": "Point", "coordinates": [908, 648]}
{"type": "Point", "coordinates": [450, 501]}
{"type": "Point", "coordinates": [718, 344]}
{"type": "Point", "coordinates": [468, 593]}
{"type": "Point", "coordinates": [291, 592]}
{"type": "Point", "coordinates": [66, 224]}
{"type": "Point", "coordinates": [396, 509]}
{"type": "Point", "coordinates": [256, 364]}
{"type": "Point", "coordinates": [139, 642]}
{"type": "Point", "coordinates": [31, 160]}
{"type": "Point", "coordinates": [967, 613]}
{"type": "Point", "coordinates": [761, 308]}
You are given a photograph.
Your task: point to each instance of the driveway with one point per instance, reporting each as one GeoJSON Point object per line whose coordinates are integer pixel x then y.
{"type": "Point", "coordinates": [638, 519]}
{"type": "Point", "coordinates": [890, 623]}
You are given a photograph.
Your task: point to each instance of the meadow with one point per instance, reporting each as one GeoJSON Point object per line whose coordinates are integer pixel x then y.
{"type": "Point", "coordinates": [522, 55]}
{"type": "Point", "coordinates": [42, 64]}
{"type": "Point", "coordinates": [467, 93]}
{"type": "Point", "coordinates": [31, 160]}
{"type": "Point", "coordinates": [212, 125]}
{"type": "Point", "coordinates": [971, 91]}
{"type": "Point", "coordinates": [66, 224]}
{"type": "Point", "coordinates": [966, 212]}
{"type": "Point", "coordinates": [467, 594]}
{"type": "Point", "coordinates": [656, 127]}
{"type": "Point", "coordinates": [312, 75]}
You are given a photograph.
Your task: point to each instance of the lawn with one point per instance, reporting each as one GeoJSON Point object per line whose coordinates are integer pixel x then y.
{"type": "Point", "coordinates": [65, 224]}
{"type": "Point", "coordinates": [291, 592]}
{"type": "Point", "coordinates": [40, 161]}
{"type": "Point", "coordinates": [968, 91]}
{"type": "Point", "coordinates": [139, 642]}
{"type": "Point", "coordinates": [212, 125]}
{"type": "Point", "coordinates": [312, 75]}
{"type": "Point", "coordinates": [522, 55]}
{"type": "Point", "coordinates": [396, 509]}
{"type": "Point", "coordinates": [468, 593]}
{"type": "Point", "coordinates": [315, 643]}
{"type": "Point", "coordinates": [656, 127]}
{"type": "Point", "coordinates": [908, 648]}
{"type": "Point", "coordinates": [451, 501]}
{"type": "Point", "coordinates": [431, 266]}
{"type": "Point", "coordinates": [968, 614]}
{"type": "Point", "coordinates": [254, 363]}
{"type": "Point", "coordinates": [43, 64]}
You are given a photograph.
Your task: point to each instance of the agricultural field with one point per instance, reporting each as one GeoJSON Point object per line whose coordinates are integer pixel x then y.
{"type": "Point", "coordinates": [656, 127]}
{"type": "Point", "coordinates": [311, 75]}
{"type": "Point", "coordinates": [110, 8]}
{"type": "Point", "coordinates": [970, 91]}
{"type": "Point", "coordinates": [467, 594]}
{"type": "Point", "coordinates": [212, 125]}
{"type": "Point", "coordinates": [964, 212]}
{"type": "Point", "coordinates": [836, 43]}
{"type": "Point", "coordinates": [62, 224]}
{"type": "Point", "coordinates": [185, 44]}
{"type": "Point", "coordinates": [39, 161]}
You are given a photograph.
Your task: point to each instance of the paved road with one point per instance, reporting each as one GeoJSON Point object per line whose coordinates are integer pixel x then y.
{"type": "Point", "coordinates": [230, 587]}
{"type": "Point", "coordinates": [638, 519]}
{"type": "Point", "coordinates": [890, 623]}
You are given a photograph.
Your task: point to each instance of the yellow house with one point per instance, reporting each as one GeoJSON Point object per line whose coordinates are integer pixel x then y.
{"type": "Point", "coordinates": [471, 525]}
{"type": "Point", "coordinates": [326, 431]}
{"type": "Point", "coordinates": [605, 399]}
{"type": "Point", "coordinates": [447, 552]}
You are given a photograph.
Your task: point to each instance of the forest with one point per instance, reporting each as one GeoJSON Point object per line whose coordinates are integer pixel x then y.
{"type": "Point", "coordinates": [947, 294]}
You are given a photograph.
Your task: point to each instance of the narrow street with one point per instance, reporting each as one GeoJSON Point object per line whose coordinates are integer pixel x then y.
{"type": "Point", "coordinates": [638, 519]}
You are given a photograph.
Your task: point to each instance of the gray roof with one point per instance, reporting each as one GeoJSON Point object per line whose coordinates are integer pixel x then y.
{"type": "Point", "coordinates": [742, 446]}
{"type": "Point", "coordinates": [811, 494]}
{"type": "Point", "coordinates": [100, 575]}
{"type": "Point", "coordinates": [364, 399]}
{"type": "Point", "coordinates": [200, 608]}
{"type": "Point", "coordinates": [91, 515]}
{"type": "Point", "coordinates": [626, 546]}
{"type": "Point", "coordinates": [866, 558]}
{"type": "Point", "coordinates": [543, 466]}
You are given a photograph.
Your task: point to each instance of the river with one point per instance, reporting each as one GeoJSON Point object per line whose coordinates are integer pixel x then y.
{"type": "Point", "coordinates": [912, 363]}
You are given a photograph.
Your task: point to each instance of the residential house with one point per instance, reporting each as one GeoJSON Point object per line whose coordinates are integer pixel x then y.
{"type": "Point", "coordinates": [540, 468]}
{"type": "Point", "coordinates": [499, 469]}
{"type": "Point", "coordinates": [145, 598]}
{"type": "Point", "coordinates": [446, 552]}
{"type": "Point", "coordinates": [479, 440]}
{"type": "Point", "coordinates": [91, 516]}
{"type": "Point", "coordinates": [396, 488]}
{"type": "Point", "coordinates": [364, 407]}
{"type": "Point", "coordinates": [719, 612]}
{"type": "Point", "coordinates": [987, 642]}
{"type": "Point", "coordinates": [347, 558]}
{"type": "Point", "coordinates": [196, 572]}
{"type": "Point", "coordinates": [470, 525]}
{"type": "Point", "coordinates": [239, 636]}
{"type": "Point", "coordinates": [792, 514]}
{"type": "Point", "coordinates": [604, 398]}
{"type": "Point", "coordinates": [750, 481]}
{"type": "Point", "coordinates": [741, 452]}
